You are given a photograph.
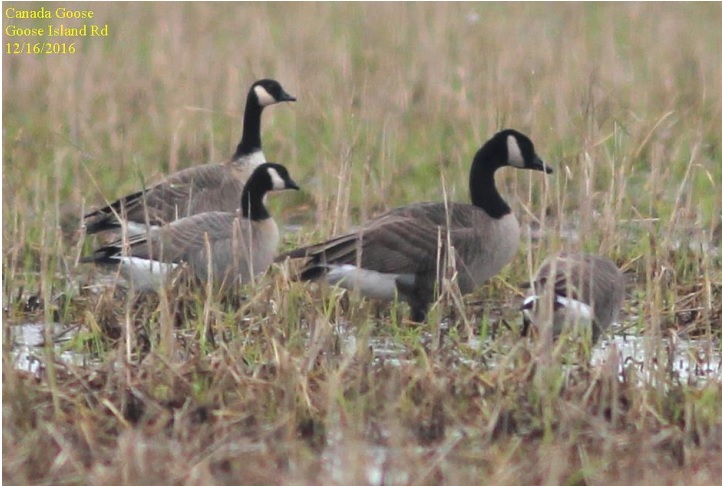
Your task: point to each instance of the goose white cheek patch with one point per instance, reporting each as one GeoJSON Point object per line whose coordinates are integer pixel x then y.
{"type": "Point", "coordinates": [527, 307]}
{"type": "Point", "coordinates": [278, 183]}
{"type": "Point", "coordinates": [264, 97]}
{"type": "Point", "coordinates": [514, 152]}
{"type": "Point", "coordinates": [529, 302]}
{"type": "Point", "coordinates": [574, 310]}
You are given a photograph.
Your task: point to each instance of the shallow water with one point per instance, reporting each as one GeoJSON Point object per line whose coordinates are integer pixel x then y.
{"type": "Point", "coordinates": [690, 361]}
{"type": "Point", "coordinates": [687, 360]}
{"type": "Point", "coordinates": [28, 346]}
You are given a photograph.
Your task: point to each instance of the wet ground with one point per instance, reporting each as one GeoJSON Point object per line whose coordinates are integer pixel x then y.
{"type": "Point", "coordinates": [688, 360]}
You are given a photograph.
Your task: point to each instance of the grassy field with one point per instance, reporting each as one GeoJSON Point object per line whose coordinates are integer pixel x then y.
{"type": "Point", "coordinates": [306, 385]}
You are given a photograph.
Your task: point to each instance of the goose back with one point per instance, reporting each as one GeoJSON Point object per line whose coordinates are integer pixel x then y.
{"type": "Point", "coordinates": [213, 187]}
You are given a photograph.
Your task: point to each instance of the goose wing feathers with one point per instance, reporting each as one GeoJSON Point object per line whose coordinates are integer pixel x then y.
{"type": "Point", "coordinates": [184, 238]}
{"type": "Point", "coordinates": [402, 241]}
{"type": "Point", "coordinates": [192, 190]}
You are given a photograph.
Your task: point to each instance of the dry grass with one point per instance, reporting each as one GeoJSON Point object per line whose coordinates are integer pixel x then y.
{"type": "Point", "coordinates": [294, 386]}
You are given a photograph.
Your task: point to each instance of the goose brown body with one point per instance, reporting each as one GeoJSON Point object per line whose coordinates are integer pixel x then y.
{"type": "Point", "coordinates": [392, 243]}
{"type": "Point", "coordinates": [405, 251]}
{"type": "Point", "coordinates": [227, 248]}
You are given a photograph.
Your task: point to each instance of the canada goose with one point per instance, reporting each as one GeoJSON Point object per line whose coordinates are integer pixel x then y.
{"type": "Point", "coordinates": [198, 189]}
{"type": "Point", "coordinates": [239, 248]}
{"type": "Point", "coordinates": [398, 251]}
{"type": "Point", "coordinates": [574, 290]}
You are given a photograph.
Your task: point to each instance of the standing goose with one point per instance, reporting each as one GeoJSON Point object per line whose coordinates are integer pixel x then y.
{"type": "Point", "coordinates": [239, 248]}
{"type": "Point", "coordinates": [398, 251]}
{"type": "Point", "coordinates": [198, 189]}
{"type": "Point", "coordinates": [574, 290]}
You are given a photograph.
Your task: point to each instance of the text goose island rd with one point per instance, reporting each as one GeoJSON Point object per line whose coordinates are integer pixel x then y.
{"type": "Point", "coordinates": [20, 34]}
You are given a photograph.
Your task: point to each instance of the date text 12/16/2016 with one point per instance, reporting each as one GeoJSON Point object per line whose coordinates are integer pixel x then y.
{"type": "Point", "coordinates": [40, 48]}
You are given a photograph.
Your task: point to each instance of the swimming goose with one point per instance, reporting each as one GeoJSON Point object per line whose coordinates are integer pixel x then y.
{"type": "Point", "coordinates": [198, 189]}
{"type": "Point", "coordinates": [239, 248]}
{"type": "Point", "coordinates": [574, 290]}
{"type": "Point", "coordinates": [397, 252]}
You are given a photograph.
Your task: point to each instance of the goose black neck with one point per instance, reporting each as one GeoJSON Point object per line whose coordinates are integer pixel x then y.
{"type": "Point", "coordinates": [252, 205]}
{"type": "Point", "coordinates": [482, 188]}
{"type": "Point", "coordinates": [251, 139]}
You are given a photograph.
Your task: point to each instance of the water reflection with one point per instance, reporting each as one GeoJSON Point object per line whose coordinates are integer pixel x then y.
{"type": "Point", "coordinates": [28, 345]}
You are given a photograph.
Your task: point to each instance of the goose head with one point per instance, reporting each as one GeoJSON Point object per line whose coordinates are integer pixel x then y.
{"type": "Point", "coordinates": [510, 148]}
{"type": "Point", "coordinates": [266, 178]}
{"type": "Point", "coordinates": [270, 177]}
{"type": "Point", "coordinates": [267, 92]}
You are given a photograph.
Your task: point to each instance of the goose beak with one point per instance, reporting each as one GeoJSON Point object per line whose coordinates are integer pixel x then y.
{"type": "Point", "coordinates": [287, 97]}
{"type": "Point", "coordinates": [538, 164]}
{"type": "Point", "coordinates": [292, 185]}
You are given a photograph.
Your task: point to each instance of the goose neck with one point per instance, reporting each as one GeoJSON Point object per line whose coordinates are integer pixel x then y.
{"type": "Point", "coordinates": [484, 193]}
{"type": "Point", "coordinates": [253, 205]}
{"type": "Point", "coordinates": [251, 139]}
